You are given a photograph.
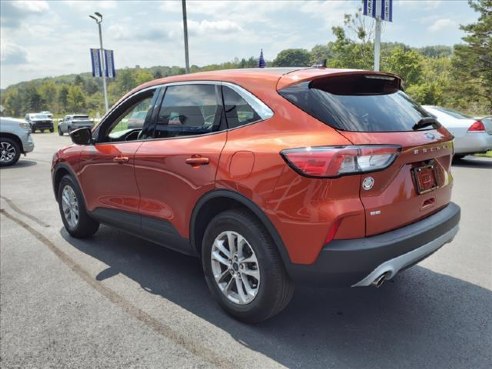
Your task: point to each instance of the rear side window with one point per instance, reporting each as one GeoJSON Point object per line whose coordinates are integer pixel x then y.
{"type": "Point", "coordinates": [188, 110]}
{"type": "Point", "coordinates": [238, 111]}
{"type": "Point", "coordinates": [359, 103]}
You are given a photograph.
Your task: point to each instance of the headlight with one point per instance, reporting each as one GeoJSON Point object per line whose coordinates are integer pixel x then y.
{"type": "Point", "coordinates": [25, 126]}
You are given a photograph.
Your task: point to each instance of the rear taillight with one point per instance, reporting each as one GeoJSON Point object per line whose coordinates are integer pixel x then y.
{"type": "Point", "coordinates": [335, 161]}
{"type": "Point", "coordinates": [477, 127]}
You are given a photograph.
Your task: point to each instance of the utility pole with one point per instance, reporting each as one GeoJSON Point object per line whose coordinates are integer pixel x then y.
{"type": "Point", "coordinates": [377, 44]}
{"type": "Point", "coordinates": [185, 29]}
{"type": "Point", "coordinates": [103, 57]}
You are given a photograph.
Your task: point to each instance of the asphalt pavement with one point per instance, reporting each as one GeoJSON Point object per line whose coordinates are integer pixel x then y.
{"type": "Point", "coordinates": [115, 301]}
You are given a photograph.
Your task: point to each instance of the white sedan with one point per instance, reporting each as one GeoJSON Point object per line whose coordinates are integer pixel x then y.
{"type": "Point", "coordinates": [471, 136]}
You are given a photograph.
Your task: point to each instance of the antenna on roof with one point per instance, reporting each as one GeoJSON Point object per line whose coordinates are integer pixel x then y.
{"type": "Point", "coordinates": [320, 64]}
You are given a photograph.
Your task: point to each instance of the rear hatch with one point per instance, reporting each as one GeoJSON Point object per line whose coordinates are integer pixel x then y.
{"type": "Point", "coordinates": [371, 109]}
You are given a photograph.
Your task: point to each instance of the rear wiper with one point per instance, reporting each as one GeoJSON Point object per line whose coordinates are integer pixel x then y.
{"type": "Point", "coordinates": [425, 122]}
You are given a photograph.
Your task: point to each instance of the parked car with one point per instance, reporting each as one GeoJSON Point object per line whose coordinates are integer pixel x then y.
{"type": "Point", "coordinates": [39, 121]}
{"type": "Point", "coordinates": [15, 139]}
{"type": "Point", "coordinates": [272, 176]}
{"type": "Point", "coordinates": [72, 122]}
{"type": "Point", "coordinates": [471, 136]}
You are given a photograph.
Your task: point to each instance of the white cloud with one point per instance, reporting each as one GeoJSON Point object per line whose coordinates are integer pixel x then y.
{"type": "Point", "coordinates": [91, 6]}
{"type": "Point", "coordinates": [31, 6]}
{"type": "Point", "coordinates": [418, 4]}
{"type": "Point", "coordinates": [207, 27]}
{"type": "Point", "coordinates": [442, 24]}
{"type": "Point", "coordinates": [12, 54]}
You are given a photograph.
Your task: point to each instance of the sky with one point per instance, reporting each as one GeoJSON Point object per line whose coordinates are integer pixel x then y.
{"type": "Point", "coordinates": [51, 38]}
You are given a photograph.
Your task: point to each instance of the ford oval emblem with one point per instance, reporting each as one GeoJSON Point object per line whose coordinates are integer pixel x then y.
{"type": "Point", "coordinates": [368, 183]}
{"type": "Point", "coordinates": [430, 136]}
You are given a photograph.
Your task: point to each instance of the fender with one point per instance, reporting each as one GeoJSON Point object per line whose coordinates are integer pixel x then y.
{"type": "Point", "coordinates": [247, 203]}
{"type": "Point", "coordinates": [69, 169]}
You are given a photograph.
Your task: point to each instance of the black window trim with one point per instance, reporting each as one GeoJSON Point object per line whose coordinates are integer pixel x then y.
{"type": "Point", "coordinates": [119, 109]}
{"type": "Point", "coordinates": [161, 89]}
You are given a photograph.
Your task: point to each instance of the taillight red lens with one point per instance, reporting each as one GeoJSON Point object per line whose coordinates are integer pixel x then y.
{"type": "Point", "coordinates": [335, 161]}
{"type": "Point", "coordinates": [477, 127]}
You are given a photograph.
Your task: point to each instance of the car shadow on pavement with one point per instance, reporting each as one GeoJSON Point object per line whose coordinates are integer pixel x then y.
{"type": "Point", "coordinates": [421, 319]}
{"type": "Point", "coordinates": [473, 162]}
{"type": "Point", "coordinates": [21, 164]}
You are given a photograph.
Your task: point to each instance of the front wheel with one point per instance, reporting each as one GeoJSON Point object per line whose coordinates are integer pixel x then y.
{"type": "Point", "coordinates": [74, 215]}
{"type": "Point", "coordinates": [243, 269]}
{"type": "Point", "coordinates": [9, 151]}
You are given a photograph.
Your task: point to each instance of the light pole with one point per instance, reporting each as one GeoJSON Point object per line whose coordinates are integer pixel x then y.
{"type": "Point", "coordinates": [99, 18]}
{"type": "Point", "coordinates": [185, 30]}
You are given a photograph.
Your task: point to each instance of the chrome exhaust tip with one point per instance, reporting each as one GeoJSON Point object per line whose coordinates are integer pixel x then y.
{"type": "Point", "coordinates": [378, 282]}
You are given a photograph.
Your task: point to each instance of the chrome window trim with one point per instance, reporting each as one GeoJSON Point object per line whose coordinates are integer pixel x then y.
{"type": "Point", "coordinates": [258, 106]}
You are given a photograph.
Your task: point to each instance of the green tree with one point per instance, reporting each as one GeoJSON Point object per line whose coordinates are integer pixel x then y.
{"type": "Point", "coordinates": [405, 63]}
{"type": "Point", "coordinates": [292, 58]}
{"type": "Point", "coordinates": [63, 98]}
{"type": "Point", "coordinates": [75, 99]}
{"type": "Point", "coordinates": [472, 61]}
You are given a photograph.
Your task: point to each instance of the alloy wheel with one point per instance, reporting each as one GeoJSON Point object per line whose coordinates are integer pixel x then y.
{"type": "Point", "coordinates": [235, 268]}
{"type": "Point", "coordinates": [7, 152]}
{"type": "Point", "coordinates": [70, 206]}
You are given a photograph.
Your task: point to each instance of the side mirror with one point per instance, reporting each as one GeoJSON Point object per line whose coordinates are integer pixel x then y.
{"type": "Point", "coordinates": [81, 136]}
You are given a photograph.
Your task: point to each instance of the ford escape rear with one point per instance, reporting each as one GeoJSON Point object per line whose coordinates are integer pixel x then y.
{"type": "Point", "coordinates": [271, 176]}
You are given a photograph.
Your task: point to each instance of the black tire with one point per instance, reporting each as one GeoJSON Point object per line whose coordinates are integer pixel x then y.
{"type": "Point", "coordinates": [85, 226]}
{"type": "Point", "coordinates": [60, 133]}
{"type": "Point", "coordinates": [10, 151]}
{"type": "Point", "coordinates": [274, 288]}
{"type": "Point", "coordinates": [52, 130]}
{"type": "Point", "coordinates": [457, 157]}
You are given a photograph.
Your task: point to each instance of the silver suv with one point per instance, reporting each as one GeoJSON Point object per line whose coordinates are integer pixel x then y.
{"type": "Point", "coordinates": [15, 138]}
{"type": "Point", "coordinates": [72, 122]}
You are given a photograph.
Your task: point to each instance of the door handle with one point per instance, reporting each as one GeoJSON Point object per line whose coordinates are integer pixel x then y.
{"type": "Point", "coordinates": [121, 159]}
{"type": "Point", "coordinates": [196, 161]}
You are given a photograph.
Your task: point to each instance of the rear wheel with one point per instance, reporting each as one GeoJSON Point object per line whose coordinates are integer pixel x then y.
{"type": "Point", "coordinates": [74, 215]}
{"type": "Point", "coordinates": [243, 269]}
{"type": "Point", "coordinates": [60, 133]}
{"type": "Point", "coordinates": [51, 130]}
{"type": "Point", "coordinates": [9, 151]}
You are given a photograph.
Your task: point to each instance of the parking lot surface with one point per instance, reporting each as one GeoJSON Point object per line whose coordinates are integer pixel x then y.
{"type": "Point", "coordinates": [116, 301]}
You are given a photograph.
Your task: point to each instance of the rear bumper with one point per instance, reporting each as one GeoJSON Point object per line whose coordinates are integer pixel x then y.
{"type": "Point", "coordinates": [358, 262]}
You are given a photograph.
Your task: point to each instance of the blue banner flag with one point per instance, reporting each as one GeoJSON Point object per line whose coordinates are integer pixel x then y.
{"type": "Point", "coordinates": [382, 9]}
{"type": "Point", "coordinates": [109, 63]}
{"type": "Point", "coordinates": [261, 61]}
{"type": "Point", "coordinates": [387, 10]}
{"type": "Point", "coordinates": [96, 63]}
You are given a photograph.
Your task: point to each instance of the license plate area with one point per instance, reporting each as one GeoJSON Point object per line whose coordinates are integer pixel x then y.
{"type": "Point", "coordinates": [425, 178]}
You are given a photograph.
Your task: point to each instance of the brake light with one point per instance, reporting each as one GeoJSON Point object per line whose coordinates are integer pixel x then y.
{"type": "Point", "coordinates": [477, 127]}
{"type": "Point", "coordinates": [335, 161]}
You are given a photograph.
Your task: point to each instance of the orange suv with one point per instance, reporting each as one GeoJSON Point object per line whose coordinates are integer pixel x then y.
{"type": "Point", "coordinates": [271, 176]}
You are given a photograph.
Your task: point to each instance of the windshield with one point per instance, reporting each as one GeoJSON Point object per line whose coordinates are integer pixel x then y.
{"type": "Point", "coordinates": [453, 113]}
{"type": "Point", "coordinates": [40, 116]}
{"type": "Point", "coordinates": [352, 103]}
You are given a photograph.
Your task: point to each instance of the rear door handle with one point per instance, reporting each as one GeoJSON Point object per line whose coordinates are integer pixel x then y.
{"type": "Point", "coordinates": [196, 161]}
{"type": "Point", "coordinates": [121, 159]}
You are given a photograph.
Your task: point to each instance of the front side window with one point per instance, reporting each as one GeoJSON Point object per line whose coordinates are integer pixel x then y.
{"type": "Point", "coordinates": [130, 122]}
{"type": "Point", "coordinates": [188, 110]}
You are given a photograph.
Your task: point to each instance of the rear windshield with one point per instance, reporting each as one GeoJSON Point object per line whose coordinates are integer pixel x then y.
{"type": "Point", "coordinates": [453, 113]}
{"type": "Point", "coordinates": [360, 103]}
{"type": "Point", "coordinates": [80, 117]}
